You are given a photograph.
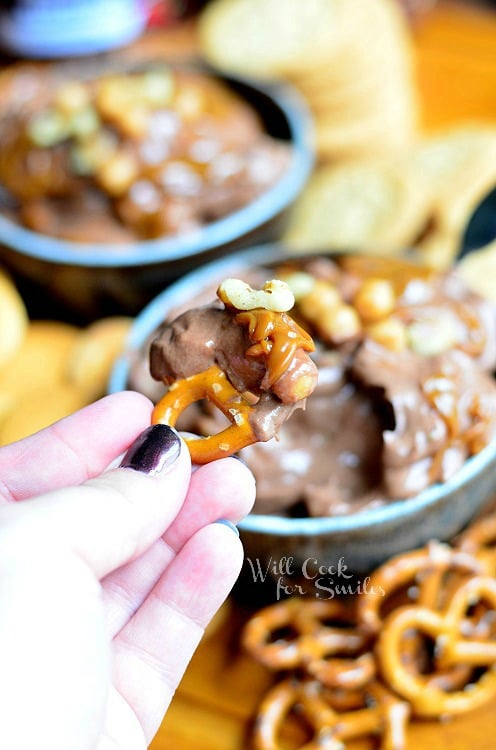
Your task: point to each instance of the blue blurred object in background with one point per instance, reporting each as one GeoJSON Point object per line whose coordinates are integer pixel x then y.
{"type": "Point", "coordinates": [62, 28]}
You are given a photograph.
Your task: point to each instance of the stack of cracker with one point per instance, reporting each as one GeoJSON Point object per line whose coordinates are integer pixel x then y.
{"type": "Point", "coordinates": [351, 59]}
{"type": "Point", "coordinates": [49, 369]}
{"type": "Point", "coordinates": [418, 201]}
{"type": "Point", "coordinates": [380, 186]}
{"type": "Point", "coordinates": [459, 167]}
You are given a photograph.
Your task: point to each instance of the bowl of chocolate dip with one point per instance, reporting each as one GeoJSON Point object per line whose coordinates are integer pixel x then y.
{"type": "Point", "coordinates": [395, 446]}
{"type": "Point", "coordinates": [117, 178]}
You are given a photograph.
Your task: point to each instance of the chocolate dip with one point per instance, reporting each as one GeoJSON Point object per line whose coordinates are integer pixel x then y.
{"type": "Point", "coordinates": [389, 415]}
{"type": "Point", "coordinates": [206, 336]}
{"type": "Point", "coordinates": [150, 152]}
{"type": "Point", "coordinates": [327, 455]}
{"type": "Point", "coordinates": [200, 338]}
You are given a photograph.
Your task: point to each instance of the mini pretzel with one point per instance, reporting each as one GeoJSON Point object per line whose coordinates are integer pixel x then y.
{"type": "Point", "coordinates": [285, 698]}
{"type": "Point", "coordinates": [416, 658]}
{"type": "Point", "coordinates": [343, 652]}
{"type": "Point", "coordinates": [274, 338]}
{"type": "Point", "coordinates": [332, 653]}
{"type": "Point", "coordinates": [452, 648]}
{"type": "Point", "coordinates": [425, 568]}
{"type": "Point", "coordinates": [342, 636]}
{"type": "Point", "coordinates": [385, 717]}
{"type": "Point", "coordinates": [395, 716]}
{"type": "Point", "coordinates": [350, 673]}
{"type": "Point", "coordinates": [213, 385]}
{"type": "Point", "coordinates": [309, 637]}
{"type": "Point", "coordinates": [429, 570]}
{"type": "Point", "coordinates": [258, 636]}
{"type": "Point", "coordinates": [480, 540]}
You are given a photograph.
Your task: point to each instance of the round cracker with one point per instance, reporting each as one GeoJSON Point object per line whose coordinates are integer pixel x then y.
{"type": "Point", "coordinates": [371, 205]}
{"type": "Point", "coordinates": [39, 409]}
{"type": "Point", "coordinates": [366, 101]}
{"type": "Point", "coordinates": [379, 91]}
{"type": "Point", "coordinates": [378, 133]}
{"type": "Point", "coordinates": [39, 364]}
{"type": "Point", "coordinates": [438, 249]}
{"type": "Point", "coordinates": [378, 125]}
{"type": "Point", "coordinates": [13, 320]}
{"type": "Point", "coordinates": [455, 154]}
{"type": "Point", "coordinates": [270, 38]}
{"type": "Point", "coordinates": [345, 95]}
{"type": "Point", "coordinates": [459, 167]}
{"type": "Point", "coordinates": [358, 59]}
{"type": "Point", "coordinates": [94, 353]}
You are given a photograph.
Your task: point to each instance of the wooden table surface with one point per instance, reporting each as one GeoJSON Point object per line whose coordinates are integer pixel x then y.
{"type": "Point", "coordinates": [213, 708]}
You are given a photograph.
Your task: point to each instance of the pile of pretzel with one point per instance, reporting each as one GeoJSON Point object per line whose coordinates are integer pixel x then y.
{"type": "Point", "coordinates": [420, 642]}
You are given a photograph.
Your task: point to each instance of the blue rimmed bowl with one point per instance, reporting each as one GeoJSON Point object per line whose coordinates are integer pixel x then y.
{"type": "Point", "coordinates": [99, 279]}
{"type": "Point", "coordinates": [286, 553]}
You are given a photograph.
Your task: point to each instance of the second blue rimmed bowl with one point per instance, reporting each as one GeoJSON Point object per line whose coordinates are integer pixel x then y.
{"type": "Point", "coordinates": [93, 279]}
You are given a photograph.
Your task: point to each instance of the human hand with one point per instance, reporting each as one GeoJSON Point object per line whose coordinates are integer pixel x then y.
{"type": "Point", "coordinates": [107, 580]}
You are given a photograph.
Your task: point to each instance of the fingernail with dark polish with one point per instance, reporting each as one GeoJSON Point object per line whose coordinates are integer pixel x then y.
{"type": "Point", "coordinates": [153, 451]}
{"type": "Point", "coordinates": [229, 525]}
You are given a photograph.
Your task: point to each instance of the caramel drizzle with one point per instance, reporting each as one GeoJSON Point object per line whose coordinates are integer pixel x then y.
{"type": "Point", "coordinates": [274, 336]}
{"type": "Point", "coordinates": [440, 392]}
{"type": "Point", "coordinates": [476, 337]}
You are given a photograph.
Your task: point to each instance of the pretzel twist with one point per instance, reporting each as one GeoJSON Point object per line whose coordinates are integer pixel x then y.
{"type": "Point", "coordinates": [258, 636]}
{"type": "Point", "coordinates": [426, 569]}
{"type": "Point", "coordinates": [480, 540]}
{"type": "Point", "coordinates": [452, 647]}
{"type": "Point", "coordinates": [367, 667]}
{"type": "Point", "coordinates": [386, 717]}
{"type": "Point", "coordinates": [308, 640]}
{"type": "Point", "coordinates": [213, 385]}
{"type": "Point", "coordinates": [351, 673]}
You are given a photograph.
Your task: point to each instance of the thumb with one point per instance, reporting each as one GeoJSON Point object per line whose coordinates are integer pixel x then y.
{"type": "Point", "coordinates": [113, 518]}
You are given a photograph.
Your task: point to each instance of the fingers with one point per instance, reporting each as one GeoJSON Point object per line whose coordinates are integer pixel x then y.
{"type": "Point", "coordinates": [115, 517]}
{"type": "Point", "coordinates": [222, 489]}
{"type": "Point", "coordinates": [54, 655]}
{"type": "Point", "coordinates": [157, 644]}
{"type": "Point", "coordinates": [74, 449]}
{"type": "Point", "coordinates": [125, 589]}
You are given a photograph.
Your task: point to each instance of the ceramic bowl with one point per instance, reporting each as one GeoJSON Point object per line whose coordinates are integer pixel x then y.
{"type": "Point", "coordinates": [93, 280]}
{"type": "Point", "coordinates": [287, 552]}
